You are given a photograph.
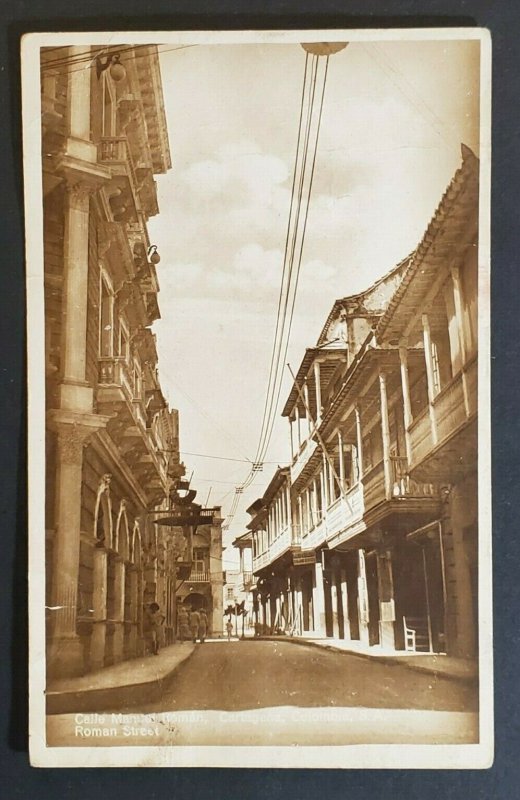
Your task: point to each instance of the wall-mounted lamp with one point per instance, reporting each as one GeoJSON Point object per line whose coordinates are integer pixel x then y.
{"type": "Point", "coordinates": [113, 61]}
{"type": "Point", "coordinates": [153, 255]}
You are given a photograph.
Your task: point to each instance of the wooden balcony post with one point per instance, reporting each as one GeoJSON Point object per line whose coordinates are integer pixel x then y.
{"type": "Point", "coordinates": [359, 443]}
{"type": "Point", "coordinates": [385, 431]}
{"type": "Point", "coordinates": [407, 406]}
{"type": "Point", "coordinates": [457, 301]}
{"type": "Point", "coordinates": [317, 380]}
{"type": "Point", "coordinates": [298, 426]}
{"type": "Point", "coordinates": [307, 406]}
{"type": "Point", "coordinates": [341, 461]}
{"type": "Point", "coordinates": [323, 479]}
{"type": "Point", "coordinates": [429, 373]}
{"type": "Point", "coordinates": [291, 434]}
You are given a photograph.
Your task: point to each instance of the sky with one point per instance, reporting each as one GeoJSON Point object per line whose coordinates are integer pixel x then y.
{"type": "Point", "coordinates": [394, 116]}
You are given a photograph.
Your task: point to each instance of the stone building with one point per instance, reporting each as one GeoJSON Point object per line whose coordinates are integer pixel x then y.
{"type": "Point", "coordinates": [112, 442]}
{"type": "Point", "coordinates": [370, 533]}
{"type": "Point", "coordinates": [201, 586]}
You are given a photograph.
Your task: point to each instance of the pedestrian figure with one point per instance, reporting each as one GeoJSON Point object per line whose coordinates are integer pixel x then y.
{"type": "Point", "coordinates": [203, 625]}
{"type": "Point", "coordinates": [156, 621]}
{"type": "Point", "coordinates": [183, 620]}
{"type": "Point", "coordinates": [194, 625]}
{"type": "Point", "coordinates": [229, 629]}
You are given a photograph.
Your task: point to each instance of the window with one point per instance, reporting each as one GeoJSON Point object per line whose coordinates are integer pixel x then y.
{"type": "Point", "coordinates": [229, 593]}
{"type": "Point", "coordinates": [124, 340]}
{"type": "Point", "coordinates": [200, 559]}
{"type": "Point", "coordinates": [109, 105]}
{"type": "Point", "coordinates": [138, 380]}
{"type": "Point", "coordinates": [106, 319]}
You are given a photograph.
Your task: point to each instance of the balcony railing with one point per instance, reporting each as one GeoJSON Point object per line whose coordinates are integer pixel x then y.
{"type": "Point", "coordinates": [199, 576]}
{"type": "Point", "coordinates": [261, 560]}
{"type": "Point", "coordinates": [115, 371]}
{"type": "Point", "coordinates": [247, 579]}
{"type": "Point", "coordinates": [116, 150]}
{"type": "Point", "coordinates": [403, 485]}
{"type": "Point", "coordinates": [302, 458]}
{"type": "Point", "coordinates": [344, 513]}
{"type": "Point", "coordinates": [374, 491]}
{"type": "Point", "coordinates": [451, 408]}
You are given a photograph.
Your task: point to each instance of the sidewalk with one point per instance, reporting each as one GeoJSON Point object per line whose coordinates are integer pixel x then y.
{"type": "Point", "coordinates": [436, 664]}
{"type": "Point", "coordinates": [116, 686]}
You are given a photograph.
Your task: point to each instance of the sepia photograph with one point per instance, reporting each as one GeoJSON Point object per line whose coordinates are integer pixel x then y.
{"type": "Point", "coordinates": [259, 418]}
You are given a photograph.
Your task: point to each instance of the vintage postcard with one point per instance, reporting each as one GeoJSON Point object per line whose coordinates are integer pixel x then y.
{"type": "Point", "coordinates": [259, 445]}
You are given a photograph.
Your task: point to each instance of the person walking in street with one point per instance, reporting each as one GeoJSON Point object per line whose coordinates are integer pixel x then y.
{"type": "Point", "coordinates": [183, 621]}
{"type": "Point", "coordinates": [194, 625]}
{"type": "Point", "coordinates": [203, 625]}
{"type": "Point", "coordinates": [156, 621]}
{"type": "Point", "coordinates": [229, 629]}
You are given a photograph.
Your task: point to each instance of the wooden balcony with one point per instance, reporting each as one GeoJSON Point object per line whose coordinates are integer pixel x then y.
{"type": "Point", "coordinates": [261, 560]}
{"type": "Point", "coordinates": [344, 518]}
{"type": "Point", "coordinates": [453, 451]}
{"type": "Point", "coordinates": [287, 539]}
{"type": "Point", "coordinates": [306, 451]}
{"type": "Point", "coordinates": [247, 580]}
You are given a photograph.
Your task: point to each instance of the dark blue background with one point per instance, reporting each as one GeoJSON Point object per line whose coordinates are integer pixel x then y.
{"type": "Point", "coordinates": [503, 780]}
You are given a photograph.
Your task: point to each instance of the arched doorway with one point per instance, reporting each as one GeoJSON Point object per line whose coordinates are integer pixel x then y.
{"type": "Point", "coordinates": [195, 601]}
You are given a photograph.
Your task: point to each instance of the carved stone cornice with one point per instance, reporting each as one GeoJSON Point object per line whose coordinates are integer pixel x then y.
{"type": "Point", "coordinates": [73, 432]}
{"type": "Point", "coordinates": [81, 178]}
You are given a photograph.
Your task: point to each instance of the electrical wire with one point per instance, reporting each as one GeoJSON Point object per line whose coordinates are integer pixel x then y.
{"type": "Point", "coordinates": [289, 287]}
{"type": "Point", "coordinates": [71, 61]}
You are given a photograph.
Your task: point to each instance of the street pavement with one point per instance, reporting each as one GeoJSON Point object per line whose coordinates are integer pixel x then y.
{"type": "Point", "coordinates": [268, 692]}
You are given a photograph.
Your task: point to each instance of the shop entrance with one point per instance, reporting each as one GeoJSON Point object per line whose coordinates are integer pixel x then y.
{"type": "Point", "coordinates": [420, 592]}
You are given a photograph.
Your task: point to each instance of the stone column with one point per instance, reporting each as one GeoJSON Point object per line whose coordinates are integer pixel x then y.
{"type": "Point", "coordinates": [75, 392]}
{"type": "Point", "coordinates": [134, 609]}
{"type": "Point", "coordinates": [65, 654]}
{"type": "Point", "coordinates": [99, 606]}
{"type": "Point", "coordinates": [429, 374]}
{"type": "Point", "coordinates": [119, 607]}
{"type": "Point", "coordinates": [385, 432]}
{"type": "Point", "coordinates": [318, 600]}
{"type": "Point", "coordinates": [407, 407]}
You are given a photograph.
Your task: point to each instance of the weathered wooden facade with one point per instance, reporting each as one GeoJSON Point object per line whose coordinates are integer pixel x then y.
{"type": "Point", "coordinates": [370, 533]}
{"type": "Point", "coordinates": [112, 442]}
